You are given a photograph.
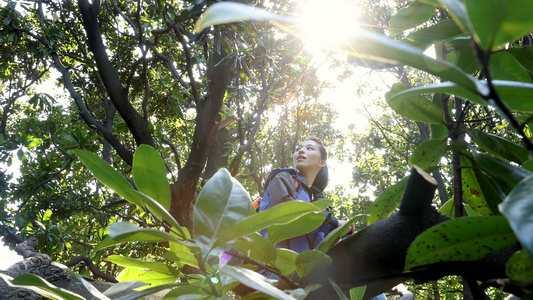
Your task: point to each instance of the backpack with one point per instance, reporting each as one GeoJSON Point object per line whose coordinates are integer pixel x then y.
{"type": "Point", "coordinates": [257, 202]}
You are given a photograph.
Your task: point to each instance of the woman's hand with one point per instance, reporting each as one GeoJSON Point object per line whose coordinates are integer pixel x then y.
{"type": "Point", "coordinates": [350, 229]}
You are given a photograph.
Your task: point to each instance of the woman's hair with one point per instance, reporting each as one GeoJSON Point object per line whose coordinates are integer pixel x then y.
{"type": "Point", "coordinates": [322, 178]}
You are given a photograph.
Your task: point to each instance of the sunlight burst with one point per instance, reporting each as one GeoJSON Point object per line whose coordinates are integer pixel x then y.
{"type": "Point", "coordinates": [328, 24]}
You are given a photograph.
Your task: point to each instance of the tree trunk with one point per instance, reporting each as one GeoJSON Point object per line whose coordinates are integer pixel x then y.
{"type": "Point", "coordinates": [184, 190]}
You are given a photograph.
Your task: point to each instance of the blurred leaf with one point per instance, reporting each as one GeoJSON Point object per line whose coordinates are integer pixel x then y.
{"type": "Point", "coordinates": [153, 278]}
{"type": "Point", "coordinates": [230, 12]}
{"type": "Point", "coordinates": [301, 226]}
{"type": "Point", "coordinates": [121, 287]}
{"type": "Point", "coordinates": [39, 285]}
{"type": "Point", "coordinates": [255, 281]}
{"type": "Point", "coordinates": [310, 260]}
{"type": "Point", "coordinates": [518, 208]}
{"type": "Point", "coordinates": [457, 11]}
{"type": "Point", "coordinates": [257, 248]}
{"type": "Point", "coordinates": [387, 202]}
{"type": "Point", "coordinates": [34, 142]}
{"type": "Point", "coordinates": [416, 108]}
{"type": "Point", "coordinates": [463, 239]}
{"type": "Point", "coordinates": [428, 154]}
{"type": "Point", "coordinates": [222, 202]}
{"type": "Point", "coordinates": [150, 175]}
{"type": "Point", "coordinates": [496, 22]}
{"type": "Point", "coordinates": [504, 66]}
{"type": "Point", "coordinates": [501, 169]}
{"type": "Point", "coordinates": [409, 17]}
{"type": "Point", "coordinates": [520, 267]}
{"type": "Point", "coordinates": [499, 146]}
{"type": "Point", "coordinates": [286, 260]}
{"type": "Point", "coordinates": [427, 36]}
{"type": "Point", "coordinates": [357, 293]}
{"type": "Point", "coordinates": [135, 263]}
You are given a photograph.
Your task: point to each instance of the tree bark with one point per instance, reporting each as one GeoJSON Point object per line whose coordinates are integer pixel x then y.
{"type": "Point", "coordinates": [184, 190]}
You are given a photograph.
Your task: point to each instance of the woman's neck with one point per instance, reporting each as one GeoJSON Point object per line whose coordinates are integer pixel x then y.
{"type": "Point", "coordinates": [309, 178]}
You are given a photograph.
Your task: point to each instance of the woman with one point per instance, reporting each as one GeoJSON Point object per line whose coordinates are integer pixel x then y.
{"type": "Point", "coordinates": [304, 183]}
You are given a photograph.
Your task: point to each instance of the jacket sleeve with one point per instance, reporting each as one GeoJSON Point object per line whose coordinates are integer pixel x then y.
{"type": "Point", "coordinates": [281, 188]}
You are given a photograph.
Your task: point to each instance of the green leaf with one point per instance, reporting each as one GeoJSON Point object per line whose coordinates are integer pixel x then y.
{"type": "Point", "coordinates": [221, 203]}
{"type": "Point", "coordinates": [427, 36]}
{"type": "Point", "coordinates": [457, 11]}
{"type": "Point", "coordinates": [310, 260]}
{"type": "Point", "coordinates": [257, 248]}
{"type": "Point", "coordinates": [463, 239]}
{"type": "Point", "coordinates": [150, 176]}
{"type": "Point", "coordinates": [230, 12]}
{"type": "Point", "coordinates": [104, 172]}
{"type": "Point", "coordinates": [155, 279]}
{"type": "Point", "coordinates": [416, 108]}
{"type": "Point", "coordinates": [387, 202]}
{"type": "Point", "coordinates": [504, 66]}
{"type": "Point", "coordinates": [122, 287]}
{"type": "Point", "coordinates": [338, 291]}
{"type": "Point", "coordinates": [121, 232]}
{"type": "Point", "coordinates": [472, 191]}
{"type": "Point", "coordinates": [34, 142]}
{"type": "Point", "coordinates": [409, 17]}
{"type": "Point", "coordinates": [286, 260]}
{"type": "Point", "coordinates": [357, 293]}
{"type": "Point", "coordinates": [520, 267]}
{"type": "Point", "coordinates": [500, 169]}
{"type": "Point", "coordinates": [255, 281]}
{"type": "Point", "coordinates": [135, 263]}
{"type": "Point", "coordinates": [280, 214]}
{"type": "Point", "coordinates": [518, 208]}
{"type": "Point", "coordinates": [155, 207]}
{"type": "Point", "coordinates": [94, 291]}
{"type": "Point", "coordinates": [491, 191]}
{"type": "Point", "coordinates": [337, 233]}
{"type": "Point", "coordinates": [499, 146]}
{"type": "Point", "coordinates": [496, 22]}
{"type": "Point", "coordinates": [305, 224]}
{"type": "Point", "coordinates": [428, 154]}
{"type": "Point", "coordinates": [39, 285]}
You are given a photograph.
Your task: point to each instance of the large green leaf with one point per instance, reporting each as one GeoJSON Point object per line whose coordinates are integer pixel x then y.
{"type": "Point", "coordinates": [310, 260]}
{"type": "Point", "coordinates": [416, 108]}
{"type": "Point", "coordinates": [280, 214]}
{"type": "Point", "coordinates": [491, 191]}
{"type": "Point", "coordinates": [139, 264]}
{"type": "Point", "coordinates": [520, 267]}
{"type": "Point", "coordinates": [518, 208]}
{"type": "Point", "coordinates": [409, 17]}
{"type": "Point", "coordinates": [222, 202]}
{"type": "Point", "coordinates": [472, 191]}
{"type": "Point", "coordinates": [387, 202]}
{"type": "Point", "coordinates": [497, 22]}
{"type": "Point", "coordinates": [428, 154]}
{"type": "Point", "coordinates": [257, 248]}
{"type": "Point", "coordinates": [427, 36]}
{"type": "Point", "coordinates": [151, 277]}
{"type": "Point", "coordinates": [501, 169]}
{"type": "Point", "coordinates": [504, 66]}
{"type": "Point", "coordinates": [255, 281]}
{"type": "Point", "coordinates": [39, 285]}
{"type": "Point", "coordinates": [149, 291]}
{"type": "Point", "coordinates": [305, 224]}
{"type": "Point", "coordinates": [286, 260]}
{"type": "Point", "coordinates": [150, 175]}
{"type": "Point", "coordinates": [104, 172]}
{"type": "Point", "coordinates": [499, 146]}
{"type": "Point", "coordinates": [357, 293]}
{"type": "Point", "coordinates": [463, 239]}
{"type": "Point", "coordinates": [157, 209]}
{"type": "Point", "coordinates": [457, 11]}
{"type": "Point", "coordinates": [121, 232]}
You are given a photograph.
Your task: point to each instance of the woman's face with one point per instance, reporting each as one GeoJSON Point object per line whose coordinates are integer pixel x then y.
{"type": "Point", "coordinates": [307, 157]}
